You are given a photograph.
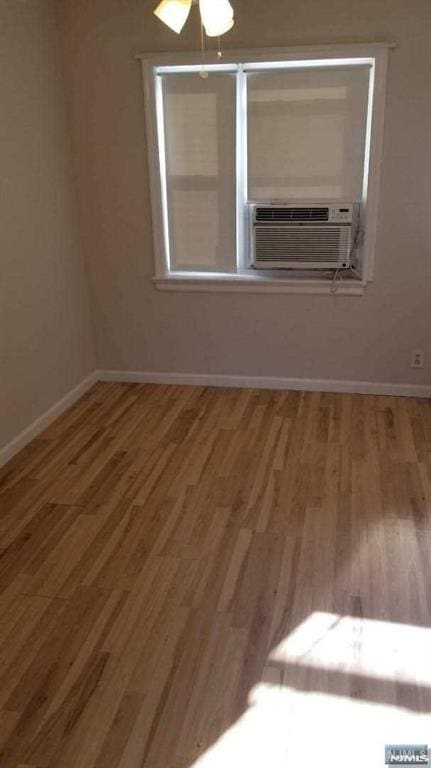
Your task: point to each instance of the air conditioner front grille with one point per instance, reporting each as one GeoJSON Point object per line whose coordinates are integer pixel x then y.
{"type": "Point", "coordinates": [296, 246]}
{"type": "Point", "coordinates": [286, 213]}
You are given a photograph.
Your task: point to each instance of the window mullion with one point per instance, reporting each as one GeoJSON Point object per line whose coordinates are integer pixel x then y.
{"type": "Point", "coordinates": [241, 169]}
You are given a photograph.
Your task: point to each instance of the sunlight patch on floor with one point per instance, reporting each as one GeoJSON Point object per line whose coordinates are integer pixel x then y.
{"type": "Point", "coordinates": [328, 697]}
{"type": "Point", "coordinates": [354, 645]}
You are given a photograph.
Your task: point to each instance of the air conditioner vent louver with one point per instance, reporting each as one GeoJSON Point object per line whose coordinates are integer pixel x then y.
{"type": "Point", "coordinates": [301, 236]}
{"type": "Point", "coordinates": [319, 244]}
{"type": "Point", "coordinates": [286, 213]}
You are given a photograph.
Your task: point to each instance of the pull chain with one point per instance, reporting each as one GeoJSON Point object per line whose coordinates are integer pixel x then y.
{"type": "Point", "coordinates": [203, 73]}
{"type": "Point", "coordinates": [219, 51]}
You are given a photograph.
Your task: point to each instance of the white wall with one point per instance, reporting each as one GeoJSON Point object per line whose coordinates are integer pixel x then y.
{"type": "Point", "coordinates": [139, 328]}
{"type": "Point", "coordinates": [45, 324]}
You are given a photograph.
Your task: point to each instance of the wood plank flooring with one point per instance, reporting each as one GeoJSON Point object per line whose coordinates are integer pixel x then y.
{"type": "Point", "coordinates": [209, 577]}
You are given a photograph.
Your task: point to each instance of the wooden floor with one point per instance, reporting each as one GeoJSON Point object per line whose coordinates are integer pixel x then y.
{"type": "Point", "coordinates": [209, 577]}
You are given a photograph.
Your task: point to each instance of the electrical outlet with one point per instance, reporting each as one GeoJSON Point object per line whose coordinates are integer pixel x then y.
{"type": "Point", "coordinates": [417, 358]}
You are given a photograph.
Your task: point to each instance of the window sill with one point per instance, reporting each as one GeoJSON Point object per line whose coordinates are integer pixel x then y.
{"type": "Point", "coordinates": [229, 283]}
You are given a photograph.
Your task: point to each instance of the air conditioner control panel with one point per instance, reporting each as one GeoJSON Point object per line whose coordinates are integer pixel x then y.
{"type": "Point", "coordinates": [341, 213]}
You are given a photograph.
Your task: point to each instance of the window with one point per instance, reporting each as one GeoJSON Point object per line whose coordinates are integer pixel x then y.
{"type": "Point", "coordinates": [279, 130]}
{"type": "Point", "coordinates": [199, 137]}
{"type": "Point", "coordinates": [306, 133]}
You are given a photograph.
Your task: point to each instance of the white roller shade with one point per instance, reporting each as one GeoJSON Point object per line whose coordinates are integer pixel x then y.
{"type": "Point", "coordinates": [199, 123]}
{"type": "Point", "coordinates": [306, 133]}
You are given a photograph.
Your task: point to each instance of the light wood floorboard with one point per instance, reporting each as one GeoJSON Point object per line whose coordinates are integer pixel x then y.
{"type": "Point", "coordinates": [206, 577]}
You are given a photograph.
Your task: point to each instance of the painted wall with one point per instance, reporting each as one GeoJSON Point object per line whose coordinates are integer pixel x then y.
{"type": "Point", "coordinates": [139, 328]}
{"type": "Point", "coordinates": [45, 324]}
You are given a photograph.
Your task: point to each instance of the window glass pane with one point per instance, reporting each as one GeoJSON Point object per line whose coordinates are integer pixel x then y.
{"type": "Point", "coordinates": [199, 120]}
{"type": "Point", "coordinates": [198, 213]}
{"type": "Point", "coordinates": [306, 134]}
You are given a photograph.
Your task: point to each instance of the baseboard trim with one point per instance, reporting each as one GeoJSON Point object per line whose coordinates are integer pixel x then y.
{"type": "Point", "coordinates": [206, 380]}
{"type": "Point", "coordinates": [269, 382]}
{"type": "Point", "coordinates": [43, 421]}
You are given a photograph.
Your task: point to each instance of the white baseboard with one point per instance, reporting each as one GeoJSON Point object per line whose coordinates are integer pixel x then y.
{"type": "Point", "coordinates": [43, 421]}
{"type": "Point", "coordinates": [206, 380]}
{"type": "Point", "coordinates": [269, 382]}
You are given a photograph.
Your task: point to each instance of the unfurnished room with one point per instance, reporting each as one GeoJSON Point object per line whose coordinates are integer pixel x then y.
{"type": "Point", "coordinates": [215, 383]}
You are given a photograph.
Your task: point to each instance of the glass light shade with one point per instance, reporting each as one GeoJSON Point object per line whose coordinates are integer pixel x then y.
{"type": "Point", "coordinates": [217, 16]}
{"type": "Point", "coordinates": [219, 29]}
{"type": "Point", "coordinates": [174, 13]}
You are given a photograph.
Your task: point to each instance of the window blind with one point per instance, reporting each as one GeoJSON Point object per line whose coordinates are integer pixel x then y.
{"type": "Point", "coordinates": [306, 133]}
{"type": "Point", "coordinates": [199, 132]}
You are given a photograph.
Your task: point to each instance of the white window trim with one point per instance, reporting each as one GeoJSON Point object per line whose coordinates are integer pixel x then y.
{"type": "Point", "coordinates": [164, 279]}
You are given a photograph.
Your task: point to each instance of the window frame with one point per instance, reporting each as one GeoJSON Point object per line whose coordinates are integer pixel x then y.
{"type": "Point", "coordinates": [240, 61]}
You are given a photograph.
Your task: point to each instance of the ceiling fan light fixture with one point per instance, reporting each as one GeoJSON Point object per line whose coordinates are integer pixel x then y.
{"type": "Point", "coordinates": [217, 16]}
{"type": "Point", "coordinates": [173, 13]}
{"type": "Point", "coordinates": [219, 29]}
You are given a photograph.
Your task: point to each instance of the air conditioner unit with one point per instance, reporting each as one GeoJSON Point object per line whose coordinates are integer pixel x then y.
{"type": "Point", "coordinates": [302, 236]}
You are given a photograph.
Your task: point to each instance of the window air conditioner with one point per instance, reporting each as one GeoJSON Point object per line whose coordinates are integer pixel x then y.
{"type": "Point", "coordinates": [302, 236]}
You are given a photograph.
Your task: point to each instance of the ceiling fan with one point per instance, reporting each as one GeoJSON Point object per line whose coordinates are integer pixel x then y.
{"type": "Point", "coordinates": [216, 15]}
